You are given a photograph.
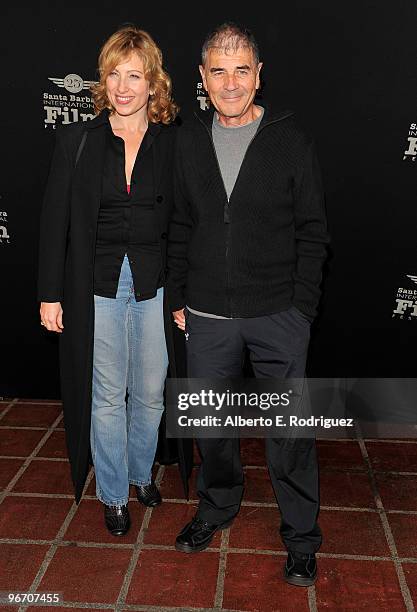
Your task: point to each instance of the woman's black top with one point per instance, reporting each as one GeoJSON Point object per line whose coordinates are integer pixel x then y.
{"type": "Point", "coordinates": [127, 223]}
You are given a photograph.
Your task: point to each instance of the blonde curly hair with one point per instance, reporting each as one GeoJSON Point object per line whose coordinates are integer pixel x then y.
{"type": "Point", "coordinates": [116, 49]}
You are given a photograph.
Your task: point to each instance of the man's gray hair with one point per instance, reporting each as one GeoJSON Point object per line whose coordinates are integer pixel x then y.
{"type": "Point", "coordinates": [230, 37]}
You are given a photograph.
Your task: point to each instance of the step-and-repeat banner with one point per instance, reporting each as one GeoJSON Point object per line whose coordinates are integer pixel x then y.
{"type": "Point", "coordinates": [349, 72]}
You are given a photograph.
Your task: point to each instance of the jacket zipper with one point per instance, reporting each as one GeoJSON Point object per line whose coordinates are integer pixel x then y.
{"type": "Point", "coordinates": [226, 220]}
{"type": "Point", "coordinates": [226, 213]}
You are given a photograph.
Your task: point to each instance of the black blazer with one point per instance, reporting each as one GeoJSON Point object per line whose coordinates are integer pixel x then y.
{"type": "Point", "coordinates": [72, 200]}
{"type": "Point", "coordinates": [66, 264]}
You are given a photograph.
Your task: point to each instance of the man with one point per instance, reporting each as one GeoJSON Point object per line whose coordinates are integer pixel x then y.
{"type": "Point", "coordinates": [246, 248]}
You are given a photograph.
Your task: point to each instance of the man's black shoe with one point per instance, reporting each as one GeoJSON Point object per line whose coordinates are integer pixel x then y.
{"type": "Point", "coordinates": [117, 519]}
{"type": "Point", "coordinates": [300, 569]}
{"type": "Point", "coordinates": [148, 495]}
{"type": "Point", "coordinates": [197, 535]}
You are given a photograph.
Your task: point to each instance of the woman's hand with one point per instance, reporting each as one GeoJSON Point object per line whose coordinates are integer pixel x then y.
{"type": "Point", "coordinates": [179, 318]}
{"type": "Point", "coordinates": [51, 316]}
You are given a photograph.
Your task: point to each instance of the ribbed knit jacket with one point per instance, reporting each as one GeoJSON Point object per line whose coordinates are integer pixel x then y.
{"type": "Point", "coordinates": [263, 250]}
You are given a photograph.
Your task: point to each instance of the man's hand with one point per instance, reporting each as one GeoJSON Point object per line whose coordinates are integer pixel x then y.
{"type": "Point", "coordinates": [51, 316]}
{"type": "Point", "coordinates": [179, 318]}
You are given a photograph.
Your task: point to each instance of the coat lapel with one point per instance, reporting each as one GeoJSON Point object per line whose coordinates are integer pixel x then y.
{"type": "Point", "coordinates": [157, 154]}
{"type": "Point", "coordinates": [89, 172]}
{"type": "Point", "coordinates": [94, 162]}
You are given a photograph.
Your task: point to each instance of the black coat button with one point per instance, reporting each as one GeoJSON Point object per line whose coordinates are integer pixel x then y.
{"type": "Point", "coordinates": [164, 235]}
{"type": "Point", "coordinates": [159, 199]}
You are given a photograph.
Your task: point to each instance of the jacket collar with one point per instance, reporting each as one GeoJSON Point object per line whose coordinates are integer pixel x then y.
{"type": "Point", "coordinates": [269, 115]}
{"type": "Point", "coordinates": [102, 119]}
{"type": "Point", "coordinates": [99, 120]}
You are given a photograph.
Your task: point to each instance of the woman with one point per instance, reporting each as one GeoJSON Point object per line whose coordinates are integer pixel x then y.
{"type": "Point", "coordinates": [102, 261]}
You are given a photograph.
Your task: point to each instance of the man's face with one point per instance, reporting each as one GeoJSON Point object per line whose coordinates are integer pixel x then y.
{"type": "Point", "coordinates": [231, 80]}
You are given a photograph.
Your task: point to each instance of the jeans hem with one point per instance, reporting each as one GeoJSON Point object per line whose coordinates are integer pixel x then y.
{"type": "Point", "coordinates": [138, 483]}
{"type": "Point", "coordinates": [118, 502]}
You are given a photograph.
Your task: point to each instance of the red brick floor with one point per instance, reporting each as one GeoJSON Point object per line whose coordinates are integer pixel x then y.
{"type": "Point", "coordinates": [368, 560]}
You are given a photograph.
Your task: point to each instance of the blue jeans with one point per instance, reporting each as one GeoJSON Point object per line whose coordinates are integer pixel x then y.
{"type": "Point", "coordinates": [130, 355]}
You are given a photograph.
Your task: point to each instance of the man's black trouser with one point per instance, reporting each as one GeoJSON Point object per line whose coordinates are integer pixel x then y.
{"type": "Point", "coordinates": [278, 346]}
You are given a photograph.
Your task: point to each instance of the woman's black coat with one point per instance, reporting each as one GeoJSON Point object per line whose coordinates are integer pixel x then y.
{"type": "Point", "coordinates": [66, 265]}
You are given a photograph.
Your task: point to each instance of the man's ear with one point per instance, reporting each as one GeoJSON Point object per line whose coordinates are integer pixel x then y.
{"type": "Point", "coordinates": [258, 75]}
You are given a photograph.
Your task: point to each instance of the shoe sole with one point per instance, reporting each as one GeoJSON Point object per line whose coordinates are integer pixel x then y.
{"type": "Point", "coordinates": [188, 549]}
{"type": "Point", "coordinates": [118, 534]}
{"type": "Point", "coordinates": [302, 582]}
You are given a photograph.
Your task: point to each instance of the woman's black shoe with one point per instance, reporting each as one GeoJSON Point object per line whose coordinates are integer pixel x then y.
{"type": "Point", "coordinates": [300, 569]}
{"type": "Point", "coordinates": [117, 519]}
{"type": "Point", "coordinates": [197, 535]}
{"type": "Point", "coordinates": [148, 495]}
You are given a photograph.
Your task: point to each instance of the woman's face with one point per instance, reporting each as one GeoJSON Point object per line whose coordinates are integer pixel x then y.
{"type": "Point", "coordinates": [127, 88]}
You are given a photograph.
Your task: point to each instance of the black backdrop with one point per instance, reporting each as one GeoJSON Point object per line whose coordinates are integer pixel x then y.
{"type": "Point", "coordinates": [347, 69]}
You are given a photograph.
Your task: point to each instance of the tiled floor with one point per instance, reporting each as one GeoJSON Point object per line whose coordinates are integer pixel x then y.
{"type": "Point", "coordinates": [368, 560]}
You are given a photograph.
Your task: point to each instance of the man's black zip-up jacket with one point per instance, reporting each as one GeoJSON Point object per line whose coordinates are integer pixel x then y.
{"type": "Point", "coordinates": [263, 250]}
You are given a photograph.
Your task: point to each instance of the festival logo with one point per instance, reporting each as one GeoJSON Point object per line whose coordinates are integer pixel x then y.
{"type": "Point", "coordinates": [4, 233]}
{"type": "Point", "coordinates": [67, 106]}
{"type": "Point", "coordinates": [202, 97]}
{"type": "Point", "coordinates": [406, 300]}
{"type": "Point", "coordinates": [411, 151]}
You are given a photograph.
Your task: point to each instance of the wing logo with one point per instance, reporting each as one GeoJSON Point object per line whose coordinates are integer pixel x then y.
{"type": "Point", "coordinates": [72, 83]}
{"type": "Point", "coordinates": [413, 278]}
